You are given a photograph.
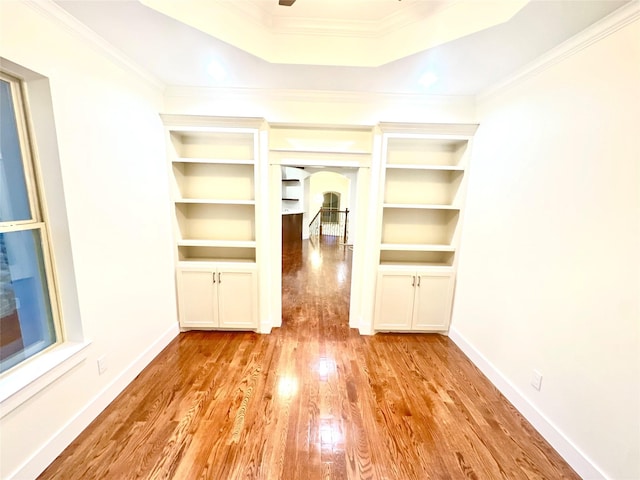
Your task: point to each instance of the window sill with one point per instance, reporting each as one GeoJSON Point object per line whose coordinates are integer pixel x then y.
{"type": "Point", "coordinates": [27, 380]}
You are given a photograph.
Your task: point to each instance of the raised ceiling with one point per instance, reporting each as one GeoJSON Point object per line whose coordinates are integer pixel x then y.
{"type": "Point", "coordinates": [362, 33]}
{"type": "Point", "coordinates": [233, 48]}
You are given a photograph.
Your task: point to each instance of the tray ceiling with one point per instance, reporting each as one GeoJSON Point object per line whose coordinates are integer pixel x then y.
{"type": "Point", "coordinates": [336, 45]}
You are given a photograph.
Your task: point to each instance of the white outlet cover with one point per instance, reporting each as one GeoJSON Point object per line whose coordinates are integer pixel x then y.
{"type": "Point", "coordinates": [102, 364]}
{"type": "Point", "coordinates": [536, 380]}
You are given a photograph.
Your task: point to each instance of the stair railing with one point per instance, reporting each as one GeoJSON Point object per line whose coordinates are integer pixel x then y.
{"type": "Point", "coordinates": [315, 226]}
{"type": "Point", "coordinates": [330, 222]}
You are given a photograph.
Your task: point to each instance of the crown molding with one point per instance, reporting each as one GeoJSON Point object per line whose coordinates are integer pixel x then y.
{"type": "Point", "coordinates": [68, 22]}
{"type": "Point", "coordinates": [251, 12]}
{"type": "Point", "coordinates": [326, 27]}
{"type": "Point", "coordinates": [615, 21]}
{"type": "Point", "coordinates": [414, 13]}
{"type": "Point", "coordinates": [295, 25]}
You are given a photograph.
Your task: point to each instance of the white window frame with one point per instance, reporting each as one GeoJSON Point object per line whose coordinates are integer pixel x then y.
{"type": "Point", "coordinates": [36, 222]}
{"type": "Point", "coordinates": [24, 380]}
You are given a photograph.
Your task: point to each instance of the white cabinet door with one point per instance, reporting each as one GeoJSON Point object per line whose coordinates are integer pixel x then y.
{"type": "Point", "coordinates": [434, 295]}
{"type": "Point", "coordinates": [237, 299]}
{"type": "Point", "coordinates": [218, 297]}
{"type": "Point", "coordinates": [394, 301]}
{"type": "Point", "coordinates": [196, 296]}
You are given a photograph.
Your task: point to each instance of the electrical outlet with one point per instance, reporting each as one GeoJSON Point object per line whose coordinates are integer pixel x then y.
{"type": "Point", "coordinates": [102, 364]}
{"type": "Point", "coordinates": [536, 380]}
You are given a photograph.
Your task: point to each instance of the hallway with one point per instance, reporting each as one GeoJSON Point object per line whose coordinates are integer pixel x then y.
{"type": "Point", "coordinates": [313, 400]}
{"type": "Point", "coordinates": [316, 285]}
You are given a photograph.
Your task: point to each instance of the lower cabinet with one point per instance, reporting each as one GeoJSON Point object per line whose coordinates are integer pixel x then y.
{"type": "Point", "coordinates": [413, 300]}
{"type": "Point", "coordinates": [223, 297]}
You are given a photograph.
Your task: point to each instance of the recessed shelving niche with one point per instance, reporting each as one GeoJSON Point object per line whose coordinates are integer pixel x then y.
{"type": "Point", "coordinates": [422, 186]}
{"type": "Point", "coordinates": [426, 258]}
{"type": "Point", "coordinates": [209, 145]}
{"type": "Point", "coordinates": [216, 221]}
{"type": "Point", "coordinates": [412, 150]}
{"type": "Point", "coordinates": [419, 226]}
{"type": "Point", "coordinates": [212, 253]}
{"type": "Point", "coordinates": [222, 181]}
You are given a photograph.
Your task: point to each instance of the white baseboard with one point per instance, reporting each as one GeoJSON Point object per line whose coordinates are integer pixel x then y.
{"type": "Point", "coordinates": [558, 440]}
{"type": "Point", "coordinates": [266, 326]}
{"type": "Point", "coordinates": [60, 440]}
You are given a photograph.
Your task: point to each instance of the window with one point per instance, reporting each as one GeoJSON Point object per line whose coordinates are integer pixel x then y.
{"type": "Point", "coordinates": [330, 203]}
{"type": "Point", "coordinates": [28, 314]}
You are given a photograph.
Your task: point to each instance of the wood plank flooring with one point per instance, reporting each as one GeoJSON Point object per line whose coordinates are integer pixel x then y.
{"type": "Point", "coordinates": [313, 400]}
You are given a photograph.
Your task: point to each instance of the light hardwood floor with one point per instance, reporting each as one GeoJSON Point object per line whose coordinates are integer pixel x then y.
{"type": "Point", "coordinates": [313, 400]}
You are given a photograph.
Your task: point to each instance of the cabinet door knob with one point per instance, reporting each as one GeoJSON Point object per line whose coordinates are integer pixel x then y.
{"type": "Point", "coordinates": [214, 277]}
{"type": "Point", "coordinates": [413, 281]}
{"type": "Point", "coordinates": [418, 280]}
{"type": "Point", "coordinates": [219, 277]}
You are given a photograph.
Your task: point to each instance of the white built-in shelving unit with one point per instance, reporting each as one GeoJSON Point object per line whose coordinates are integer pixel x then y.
{"type": "Point", "coordinates": [422, 183]}
{"type": "Point", "coordinates": [227, 183]}
{"type": "Point", "coordinates": [214, 171]}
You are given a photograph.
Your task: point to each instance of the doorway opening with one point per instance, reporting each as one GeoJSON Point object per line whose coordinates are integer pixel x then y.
{"type": "Point", "coordinates": [316, 265]}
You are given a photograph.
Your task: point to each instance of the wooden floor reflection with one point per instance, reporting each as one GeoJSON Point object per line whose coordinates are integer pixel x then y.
{"type": "Point", "coordinates": [313, 400]}
{"type": "Point", "coordinates": [316, 283]}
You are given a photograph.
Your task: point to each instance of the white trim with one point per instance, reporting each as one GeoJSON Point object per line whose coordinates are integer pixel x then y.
{"type": "Point", "coordinates": [320, 126]}
{"type": "Point", "coordinates": [457, 132]}
{"type": "Point", "coordinates": [583, 465]}
{"type": "Point", "coordinates": [211, 124]}
{"type": "Point", "coordinates": [35, 374]}
{"type": "Point", "coordinates": [371, 228]}
{"type": "Point", "coordinates": [320, 162]}
{"type": "Point", "coordinates": [45, 454]}
{"type": "Point", "coordinates": [596, 32]}
{"type": "Point", "coordinates": [262, 229]}
{"type": "Point", "coordinates": [16, 359]}
{"type": "Point", "coordinates": [72, 25]}
{"type": "Point", "coordinates": [265, 326]}
{"type": "Point", "coordinates": [264, 19]}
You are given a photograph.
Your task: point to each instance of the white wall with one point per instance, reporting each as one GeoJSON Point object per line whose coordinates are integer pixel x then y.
{"type": "Point", "coordinates": [550, 262]}
{"type": "Point", "coordinates": [315, 107]}
{"type": "Point", "coordinates": [323, 182]}
{"type": "Point", "coordinates": [114, 173]}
